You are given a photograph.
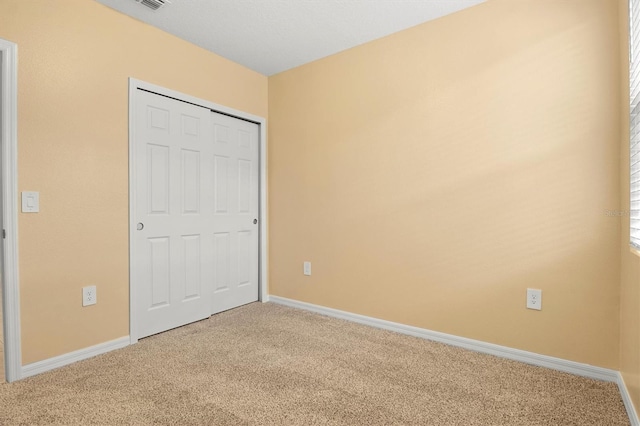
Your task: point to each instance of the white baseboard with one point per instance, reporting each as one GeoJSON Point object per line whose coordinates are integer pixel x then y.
{"type": "Point", "coordinates": [71, 357]}
{"type": "Point", "coordinates": [628, 404]}
{"type": "Point", "coordinates": [532, 358]}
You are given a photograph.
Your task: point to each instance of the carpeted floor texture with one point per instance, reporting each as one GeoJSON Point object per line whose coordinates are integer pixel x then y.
{"type": "Point", "coordinates": [265, 364]}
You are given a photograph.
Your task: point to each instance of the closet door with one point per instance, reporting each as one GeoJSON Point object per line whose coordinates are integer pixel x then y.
{"type": "Point", "coordinates": [235, 216]}
{"type": "Point", "coordinates": [174, 233]}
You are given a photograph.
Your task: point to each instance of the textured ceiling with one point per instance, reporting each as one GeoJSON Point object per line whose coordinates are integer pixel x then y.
{"type": "Point", "coordinates": [270, 36]}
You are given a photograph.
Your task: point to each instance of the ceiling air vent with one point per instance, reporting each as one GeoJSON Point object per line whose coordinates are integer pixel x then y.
{"type": "Point", "coordinates": [153, 4]}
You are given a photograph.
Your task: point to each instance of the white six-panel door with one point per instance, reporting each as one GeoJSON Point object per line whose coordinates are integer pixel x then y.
{"type": "Point", "coordinates": [171, 244]}
{"type": "Point", "coordinates": [196, 198]}
{"type": "Point", "coordinates": [235, 223]}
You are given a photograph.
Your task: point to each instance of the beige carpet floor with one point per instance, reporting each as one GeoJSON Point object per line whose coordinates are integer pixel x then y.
{"type": "Point", "coordinates": [264, 364]}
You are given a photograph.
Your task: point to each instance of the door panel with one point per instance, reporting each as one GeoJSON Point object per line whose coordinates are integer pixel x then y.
{"type": "Point", "coordinates": [236, 198]}
{"type": "Point", "coordinates": [159, 261]}
{"type": "Point", "coordinates": [172, 251]}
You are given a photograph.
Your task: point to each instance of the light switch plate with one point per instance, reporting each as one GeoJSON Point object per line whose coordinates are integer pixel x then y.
{"type": "Point", "coordinates": [30, 202]}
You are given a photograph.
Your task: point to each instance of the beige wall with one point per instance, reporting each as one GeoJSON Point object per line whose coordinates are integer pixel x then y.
{"type": "Point", "coordinates": [433, 175]}
{"type": "Point", "coordinates": [630, 262]}
{"type": "Point", "coordinates": [430, 176]}
{"type": "Point", "coordinates": [75, 57]}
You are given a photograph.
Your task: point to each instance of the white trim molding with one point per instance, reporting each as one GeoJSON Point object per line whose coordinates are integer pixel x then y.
{"type": "Point", "coordinates": [134, 85]}
{"type": "Point", "coordinates": [75, 356]}
{"type": "Point", "coordinates": [626, 399]}
{"type": "Point", "coordinates": [263, 260]}
{"type": "Point", "coordinates": [532, 358]}
{"type": "Point", "coordinates": [9, 146]}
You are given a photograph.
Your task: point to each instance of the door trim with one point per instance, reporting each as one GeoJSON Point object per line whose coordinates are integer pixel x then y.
{"type": "Point", "coordinates": [263, 275]}
{"type": "Point", "coordinates": [9, 169]}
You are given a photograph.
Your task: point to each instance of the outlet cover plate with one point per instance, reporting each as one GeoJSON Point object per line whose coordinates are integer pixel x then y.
{"type": "Point", "coordinates": [534, 299]}
{"type": "Point", "coordinates": [89, 295]}
{"type": "Point", "coordinates": [307, 268]}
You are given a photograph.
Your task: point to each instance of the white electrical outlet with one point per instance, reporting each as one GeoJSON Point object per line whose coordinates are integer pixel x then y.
{"type": "Point", "coordinates": [89, 295]}
{"type": "Point", "coordinates": [534, 299]}
{"type": "Point", "coordinates": [307, 268]}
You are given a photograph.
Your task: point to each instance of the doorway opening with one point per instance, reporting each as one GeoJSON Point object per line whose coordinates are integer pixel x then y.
{"type": "Point", "coordinates": [2, 107]}
{"type": "Point", "coordinates": [9, 290]}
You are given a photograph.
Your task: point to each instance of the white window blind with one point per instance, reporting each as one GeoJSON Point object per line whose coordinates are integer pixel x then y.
{"type": "Point", "coordinates": [634, 120]}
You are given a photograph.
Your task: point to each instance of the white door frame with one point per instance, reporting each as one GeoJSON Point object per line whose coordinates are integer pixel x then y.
{"type": "Point", "coordinates": [134, 85]}
{"type": "Point", "coordinates": [9, 170]}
